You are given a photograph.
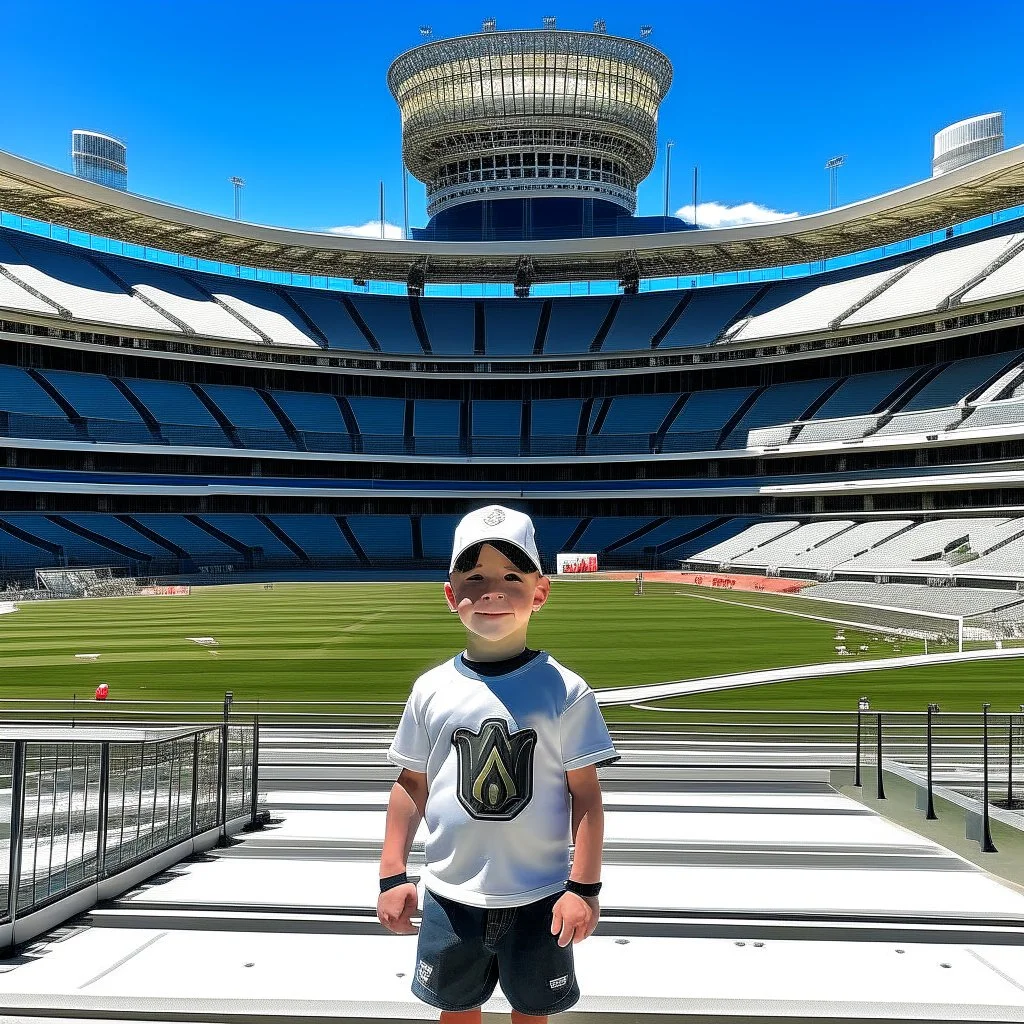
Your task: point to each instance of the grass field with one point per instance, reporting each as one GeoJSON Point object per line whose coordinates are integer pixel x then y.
{"type": "Point", "coordinates": [322, 642]}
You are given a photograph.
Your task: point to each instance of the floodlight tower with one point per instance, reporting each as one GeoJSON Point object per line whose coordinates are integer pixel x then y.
{"type": "Point", "coordinates": [832, 166]}
{"type": "Point", "coordinates": [239, 184]}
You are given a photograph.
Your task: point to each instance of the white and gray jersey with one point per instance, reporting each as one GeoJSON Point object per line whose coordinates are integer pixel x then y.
{"type": "Point", "coordinates": [495, 750]}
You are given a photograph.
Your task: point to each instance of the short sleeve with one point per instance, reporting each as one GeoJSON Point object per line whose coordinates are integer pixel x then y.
{"type": "Point", "coordinates": [411, 745]}
{"type": "Point", "coordinates": [585, 738]}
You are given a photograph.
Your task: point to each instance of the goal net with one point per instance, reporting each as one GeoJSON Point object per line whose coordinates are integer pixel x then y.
{"type": "Point", "coordinates": [100, 581]}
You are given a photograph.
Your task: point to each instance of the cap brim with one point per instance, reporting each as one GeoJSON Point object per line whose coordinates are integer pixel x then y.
{"type": "Point", "coordinates": [490, 540]}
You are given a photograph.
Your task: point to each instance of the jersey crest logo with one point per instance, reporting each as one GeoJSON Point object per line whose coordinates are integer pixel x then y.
{"type": "Point", "coordinates": [495, 770]}
{"type": "Point", "coordinates": [494, 518]}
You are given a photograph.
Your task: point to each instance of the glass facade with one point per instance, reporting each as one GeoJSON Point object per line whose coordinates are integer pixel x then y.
{"type": "Point", "coordinates": [100, 158]}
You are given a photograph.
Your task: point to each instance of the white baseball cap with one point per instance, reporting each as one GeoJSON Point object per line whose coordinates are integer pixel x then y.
{"type": "Point", "coordinates": [496, 523]}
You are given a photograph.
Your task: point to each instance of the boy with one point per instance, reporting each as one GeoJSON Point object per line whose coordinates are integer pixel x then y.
{"type": "Point", "coordinates": [499, 749]}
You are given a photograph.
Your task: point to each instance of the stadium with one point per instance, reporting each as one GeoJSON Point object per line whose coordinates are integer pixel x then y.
{"type": "Point", "coordinates": [788, 448]}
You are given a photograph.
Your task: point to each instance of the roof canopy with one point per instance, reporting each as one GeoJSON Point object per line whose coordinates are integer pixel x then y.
{"type": "Point", "coordinates": [985, 186]}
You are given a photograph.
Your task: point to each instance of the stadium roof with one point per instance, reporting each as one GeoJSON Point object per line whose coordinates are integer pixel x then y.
{"type": "Point", "coordinates": [985, 186]}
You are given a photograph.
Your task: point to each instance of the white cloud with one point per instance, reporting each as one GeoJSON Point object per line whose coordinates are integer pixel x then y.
{"type": "Point", "coordinates": [371, 229]}
{"type": "Point", "coordinates": [718, 215]}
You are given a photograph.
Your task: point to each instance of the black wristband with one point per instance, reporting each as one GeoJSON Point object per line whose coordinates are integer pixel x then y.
{"type": "Point", "coordinates": [393, 881]}
{"type": "Point", "coordinates": [588, 890]}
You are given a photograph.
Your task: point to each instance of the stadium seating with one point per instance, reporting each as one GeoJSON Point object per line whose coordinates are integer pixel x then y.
{"type": "Point", "coordinates": [783, 550]}
{"type": "Point", "coordinates": [381, 423]}
{"type": "Point", "coordinates": [450, 326]}
{"type": "Point", "coordinates": [780, 403]}
{"type": "Point", "coordinates": [846, 544]}
{"type": "Point", "coordinates": [706, 315]}
{"type": "Point", "coordinates": [320, 537]}
{"type": "Point", "coordinates": [253, 420]}
{"type": "Point", "coordinates": [389, 319]}
{"type": "Point", "coordinates": [182, 298]}
{"type": "Point", "coordinates": [266, 309]}
{"type": "Point", "coordinates": [739, 542]}
{"type": "Point", "coordinates": [638, 320]}
{"type": "Point", "coordinates": [318, 420]}
{"type": "Point", "coordinates": [496, 427]}
{"type": "Point", "coordinates": [69, 279]}
{"type": "Point", "coordinates": [331, 316]}
{"type": "Point", "coordinates": [932, 279]}
{"type": "Point", "coordinates": [700, 422]}
{"type": "Point", "coordinates": [182, 416]}
{"type": "Point", "coordinates": [511, 326]}
{"type": "Point", "coordinates": [554, 425]}
{"type": "Point", "coordinates": [574, 324]}
{"type": "Point", "coordinates": [436, 426]}
{"type": "Point", "coordinates": [940, 600]}
{"type": "Point", "coordinates": [628, 422]}
{"type": "Point", "coordinates": [383, 539]}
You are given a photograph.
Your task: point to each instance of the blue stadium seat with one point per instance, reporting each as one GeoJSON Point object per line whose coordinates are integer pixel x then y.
{"type": "Point", "coordinates": [511, 325]}
{"type": "Point", "coordinates": [318, 420]}
{"type": "Point", "coordinates": [319, 536]}
{"type": "Point", "coordinates": [253, 420]}
{"type": "Point", "coordinates": [574, 324]}
{"type": "Point", "coordinates": [450, 325]}
{"type": "Point", "coordinates": [253, 534]}
{"type": "Point", "coordinates": [554, 426]}
{"type": "Point", "coordinates": [383, 538]}
{"type": "Point", "coordinates": [331, 315]}
{"type": "Point", "coordinates": [436, 426]}
{"type": "Point", "coordinates": [638, 319]}
{"type": "Point", "coordinates": [182, 416]}
{"type": "Point", "coordinates": [389, 319]}
{"type": "Point", "coordinates": [701, 419]}
{"type": "Point", "coordinates": [496, 427]}
{"type": "Point", "coordinates": [708, 312]}
{"type": "Point", "coordinates": [381, 423]}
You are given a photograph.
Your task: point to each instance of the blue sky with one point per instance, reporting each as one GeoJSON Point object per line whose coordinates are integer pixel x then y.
{"type": "Point", "coordinates": [292, 96]}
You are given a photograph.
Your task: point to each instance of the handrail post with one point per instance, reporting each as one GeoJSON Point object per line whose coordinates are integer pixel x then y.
{"type": "Point", "coordinates": [861, 707]}
{"type": "Point", "coordinates": [223, 787]}
{"type": "Point", "coordinates": [17, 828]}
{"type": "Point", "coordinates": [880, 789]}
{"type": "Point", "coordinates": [930, 814]}
{"type": "Point", "coordinates": [254, 796]}
{"type": "Point", "coordinates": [1009, 763]}
{"type": "Point", "coordinates": [104, 798]}
{"type": "Point", "coordinates": [987, 846]}
{"type": "Point", "coordinates": [195, 783]}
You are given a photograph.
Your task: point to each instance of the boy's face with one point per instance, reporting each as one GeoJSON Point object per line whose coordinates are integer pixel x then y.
{"type": "Point", "coordinates": [494, 599]}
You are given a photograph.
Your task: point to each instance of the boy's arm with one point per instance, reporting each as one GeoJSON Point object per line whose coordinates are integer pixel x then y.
{"type": "Point", "coordinates": [587, 823]}
{"type": "Point", "coordinates": [405, 809]}
{"type": "Point", "coordinates": [573, 918]}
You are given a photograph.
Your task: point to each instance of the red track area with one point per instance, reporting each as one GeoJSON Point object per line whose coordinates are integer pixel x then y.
{"type": "Point", "coordinates": [712, 580]}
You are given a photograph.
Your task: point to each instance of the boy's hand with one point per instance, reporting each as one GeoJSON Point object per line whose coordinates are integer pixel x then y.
{"type": "Point", "coordinates": [395, 908]}
{"type": "Point", "coordinates": [573, 918]}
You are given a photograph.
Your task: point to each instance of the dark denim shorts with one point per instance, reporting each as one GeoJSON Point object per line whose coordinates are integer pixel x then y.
{"type": "Point", "coordinates": [463, 951]}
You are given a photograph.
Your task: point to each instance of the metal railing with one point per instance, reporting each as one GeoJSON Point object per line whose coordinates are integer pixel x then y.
{"type": "Point", "coordinates": [87, 803]}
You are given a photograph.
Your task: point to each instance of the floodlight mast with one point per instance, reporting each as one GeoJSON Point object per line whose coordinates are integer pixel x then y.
{"type": "Point", "coordinates": [239, 184]}
{"type": "Point", "coordinates": [832, 166]}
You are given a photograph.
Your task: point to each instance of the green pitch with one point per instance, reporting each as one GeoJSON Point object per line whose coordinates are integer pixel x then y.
{"type": "Point", "coordinates": [368, 642]}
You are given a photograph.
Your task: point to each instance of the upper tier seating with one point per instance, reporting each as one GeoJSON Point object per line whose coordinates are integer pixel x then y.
{"type": "Point", "coordinates": [995, 414]}
{"type": "Point", "coordinates": [57, 279]}
{"type": "Point", "coordinates": [330, 314]}
{"type": "Point", "coordinates": [511, 326]}
{"type": "Point", "coordinates": [957, 380]}
{"type": "Point", "coordinates": [21, 395]}
{"type": "Point", "coordinates": [181, 297]}
{"type": "Point", "coordinates": [263, 307]}
{"type": "Point", "coordinates": [383, 538]}
{"type": "Point", "coordinates": [381, 422]}
{"type": "Point", "coordinates": [627, 422]}
{"type": "Point", "coordinates": [638, 320]}
{"type": "Point", "coordinates": [450, 325]}
{"type": "Point", "coordinates": [68, 277]}
{"type": "Point", "coordinates": [932, 279]}
{"type": "Point", "coordinates": [110, 416]}
{"type": "Point", "coordinates": [436, 425]}
{"type": "Point", "coordinates": [389, 319]}
{"type": "Point", "coordinates": [574, 324]}
{"type": "Point", "coordinates": [496, 427]}
{"type": "Point", "coordinates": [554, 425]}
{"type": "Point", "coordinates": [706, 314]}
{"type": "Point", "coordinates": [807, 306]}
